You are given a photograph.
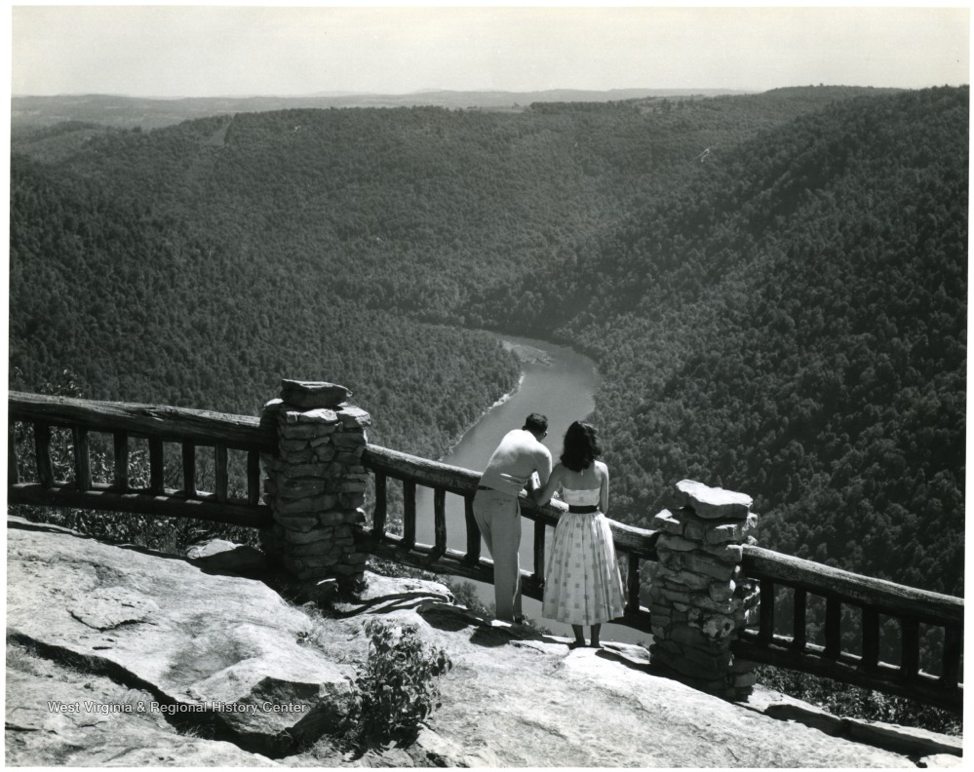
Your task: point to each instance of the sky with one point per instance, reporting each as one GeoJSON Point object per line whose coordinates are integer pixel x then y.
{"type": "Point", "coordinates": [247, 50]}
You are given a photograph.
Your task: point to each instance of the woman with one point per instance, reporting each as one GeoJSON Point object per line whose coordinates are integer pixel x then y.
{"type": "Point", "coordinates": [582, 584]}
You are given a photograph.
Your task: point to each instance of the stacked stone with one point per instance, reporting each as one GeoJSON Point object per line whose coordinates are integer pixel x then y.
{"type": "Point", "coordinates": [699, 600]}
{"type": "Point", "coordinates": [315, 484]}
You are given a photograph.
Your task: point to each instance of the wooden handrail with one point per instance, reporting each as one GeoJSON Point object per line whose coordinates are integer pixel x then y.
{"type": "Point", "coordinates": [171, 424]}
{"type": "Point", "coordinates": [635, 543]}
{"type": "Point", "coordinates": [908, 605]}
{"type": "Point", "coordinates": [848, 669]}
{"type": "Point", "coordinates": [172, 504]}
{"type": "Point", "coordinates": [463, 482]}
{"type": "Point", "coordinates": [158, 424]}
{"type": "Point", "coordinates": [422, 471]}
{"type": "Point", "coordinates": [838, 587]}
{"type": "Point", "coordinates": [201, 428]}
{"type": "Point", "coordinates": [886, 597]}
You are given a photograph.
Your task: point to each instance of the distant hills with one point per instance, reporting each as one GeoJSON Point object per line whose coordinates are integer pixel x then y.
{"type": "Point", "coordinates": [129, 112]}
{"type": "Point", "coordinates": [774, 285]}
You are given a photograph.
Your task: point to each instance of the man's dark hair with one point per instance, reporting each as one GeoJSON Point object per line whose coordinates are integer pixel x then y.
{"type": "Point", "coordinates": [536, 423]}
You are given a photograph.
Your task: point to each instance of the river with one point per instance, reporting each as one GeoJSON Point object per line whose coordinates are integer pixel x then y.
{"type": "Point", "coordinates": [557, 382]}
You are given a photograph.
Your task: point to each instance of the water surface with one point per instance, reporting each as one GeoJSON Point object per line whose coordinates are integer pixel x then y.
{"type": "Point", "coordinates": [559, 383]}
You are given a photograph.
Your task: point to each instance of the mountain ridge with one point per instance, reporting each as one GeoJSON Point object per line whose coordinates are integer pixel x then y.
{"type": "Point", "coordinates": [740, 261]}
{"type": "Point", "coordinates": [155, 112]}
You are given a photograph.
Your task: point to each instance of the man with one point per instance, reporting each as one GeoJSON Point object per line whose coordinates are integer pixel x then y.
{"type": "Point", "coordinates": [496, 507]}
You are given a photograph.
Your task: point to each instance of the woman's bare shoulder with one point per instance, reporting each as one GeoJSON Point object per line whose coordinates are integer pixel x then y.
{"type": "Point", "coordinates": [558, 472]}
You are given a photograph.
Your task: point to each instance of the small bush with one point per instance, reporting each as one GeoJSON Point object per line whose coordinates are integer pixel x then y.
{"type": "Point", "coordinates": [398, 688]}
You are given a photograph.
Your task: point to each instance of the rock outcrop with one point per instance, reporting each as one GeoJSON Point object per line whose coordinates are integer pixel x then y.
{"type": "Point", "coordinates": [224, 651]}
{"type": "Point", "coordinates": [63, 716]}
{"type": "Point", "coordinates": [96, 631]}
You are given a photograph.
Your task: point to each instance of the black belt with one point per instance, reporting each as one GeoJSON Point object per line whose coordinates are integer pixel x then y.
{"type": "Point", "coordinates": [578, 509]}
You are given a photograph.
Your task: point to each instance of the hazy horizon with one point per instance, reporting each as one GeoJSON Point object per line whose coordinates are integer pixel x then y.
{"type": "Point", "coordinates": [690, 90]}
{"type": "Point", "coordinates": [183, 52]}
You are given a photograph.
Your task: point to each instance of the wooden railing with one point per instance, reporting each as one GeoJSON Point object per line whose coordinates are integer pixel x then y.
{"type": "Point", "coordinates": [221, 433]}
{"type": "Point", "coordinates": [159, 426]}
{"type": "Point", "coordinates": [635, 545]}
{"type": "Point", "coordinates": [873, 598]}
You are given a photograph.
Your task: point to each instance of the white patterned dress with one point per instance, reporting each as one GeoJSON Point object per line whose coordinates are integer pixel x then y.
{"type": "Point", "coordinates": [582, 581]}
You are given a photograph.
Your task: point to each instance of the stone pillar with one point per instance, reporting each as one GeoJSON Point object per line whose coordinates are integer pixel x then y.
{"type": "Point", "coordinates": [315, 484]}
{"type": "Point", "coordinates": [698, 599]}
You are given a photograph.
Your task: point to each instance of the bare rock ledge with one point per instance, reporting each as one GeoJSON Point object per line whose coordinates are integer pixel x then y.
{"type": "Point", "coordinates": [98, 634]}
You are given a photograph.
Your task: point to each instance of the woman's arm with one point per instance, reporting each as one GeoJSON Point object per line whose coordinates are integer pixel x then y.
{"type": "Point", "coordinates": [604, 489]}
{"type": "Point", "coordinates": [543, 495]}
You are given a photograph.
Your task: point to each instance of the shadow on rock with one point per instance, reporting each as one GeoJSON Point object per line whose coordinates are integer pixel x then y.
{"type": "Point", "coordinates": [445, 616]}
{"type": "Point", "coordinates": [492, 635]}
{"type": "Point", "coordinates": [383, 605]}
{"type": "Point", "coordinates": [452, 618]}
{"type": "Point", "coordinates": [634, 657]}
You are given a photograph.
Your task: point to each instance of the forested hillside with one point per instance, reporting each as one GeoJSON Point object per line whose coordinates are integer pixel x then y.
{"type": "Point", "coordinates": [792, 323]}
{"type": "Point", "coordinates": [442, 215]}
{"type": "Point", "coordinates": [199, 263]}
{"type": "Point", "coordinates": [146, 113]}
{"type": "Point", "coordinates": [773, 286]}
{"type": "Point", "coordinates": [141, 310]}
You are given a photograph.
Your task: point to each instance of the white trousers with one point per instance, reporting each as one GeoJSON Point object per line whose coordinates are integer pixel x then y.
{"type": "Point", "coordinates": [499, 517]}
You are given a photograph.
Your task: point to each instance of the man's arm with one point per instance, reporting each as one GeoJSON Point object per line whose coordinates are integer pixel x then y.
{"type": "Point", "coordinates": [544, 475]}
{"type": "Point", "coordinates": [544, 467]}
{"type": "Point", "coordinates": [543, 495]}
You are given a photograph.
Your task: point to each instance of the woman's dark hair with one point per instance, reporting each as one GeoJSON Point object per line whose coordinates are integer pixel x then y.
{"type": "Point", "coordinates": [581, 447]}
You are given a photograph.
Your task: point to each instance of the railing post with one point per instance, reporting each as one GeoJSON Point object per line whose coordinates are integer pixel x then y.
{"type": "Point", "coordinates": [315, 483]}
{"type": "Point", "coordinates": [699, 601]}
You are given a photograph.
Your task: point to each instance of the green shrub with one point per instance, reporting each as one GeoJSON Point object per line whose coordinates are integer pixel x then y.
{"type": "Point", "coordinates": [398, 688]}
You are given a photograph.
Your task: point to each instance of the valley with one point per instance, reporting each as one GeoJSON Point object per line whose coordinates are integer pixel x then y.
{"type": "Point", "coordinates": [785, 315]}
